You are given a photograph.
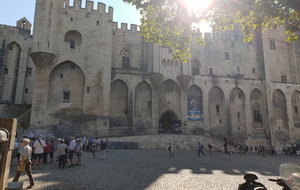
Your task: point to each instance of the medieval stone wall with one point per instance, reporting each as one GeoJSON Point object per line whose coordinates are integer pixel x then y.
{"type": "Point", "coordinates": [93, 78]}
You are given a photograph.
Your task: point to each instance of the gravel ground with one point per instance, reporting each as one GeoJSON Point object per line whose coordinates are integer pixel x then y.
{"type": "Point", "coordinates": [153, 170]}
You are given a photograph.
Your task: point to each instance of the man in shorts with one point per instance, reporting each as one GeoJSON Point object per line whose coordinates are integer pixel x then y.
{"type": "Point", "coordinates": [71, 148]}
{"type": "Point", "coordinates": [38, 147]}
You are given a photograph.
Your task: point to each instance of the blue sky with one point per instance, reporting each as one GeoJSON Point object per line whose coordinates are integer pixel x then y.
{"type": "Point", "coordinates": [13, 10]}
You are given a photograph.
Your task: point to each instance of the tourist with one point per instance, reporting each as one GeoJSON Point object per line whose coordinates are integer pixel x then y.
{"type": "Point", "coordinates": [200, 149]}
{"type": "Point", "coordinates": [209, 149]}
{"type": "Point", "coordinates": [38, 147]}
{"type": "Point", "coordinates": [78, 151]}
{"type": "Point", "coordinates": [103, 150]}
{"type": "Point", "coordinates": [52, 149]}
{"type": "Point", "coordinates": [170, 150]}
{"type": "Point", "coordinates": [61, 153]}
{"type": "Point", "coordinates": [25, 162]}
{"type": "Point", "coordinates": [94, 148]}
{"type": "Point", "coordinates": [46, 151]}
{"type": "Point", "coordinates": [71, 148]}
{"type": "Point", "coordinates": [225, 148]}
{"type": "Point", "coordinates": [107, 143]}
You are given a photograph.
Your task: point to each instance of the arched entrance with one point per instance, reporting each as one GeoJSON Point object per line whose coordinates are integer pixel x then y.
{"type": "Point", "coordinates": [169, 123]}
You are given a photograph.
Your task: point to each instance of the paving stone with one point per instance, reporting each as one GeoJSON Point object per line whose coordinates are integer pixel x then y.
{"type": "Point", "coordinates": [128, 169]}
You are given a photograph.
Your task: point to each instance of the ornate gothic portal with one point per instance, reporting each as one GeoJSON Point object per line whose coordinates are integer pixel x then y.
{"type": "Point", "coordinates": [169, 122]}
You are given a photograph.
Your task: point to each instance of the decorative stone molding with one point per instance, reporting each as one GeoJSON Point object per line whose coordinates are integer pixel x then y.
{"type": "Point", "coordinates": [184, 80]}
{"type": "Point", "coordinates": [155, 78]}
{"type": "Point", "coordinates": [42, 59]}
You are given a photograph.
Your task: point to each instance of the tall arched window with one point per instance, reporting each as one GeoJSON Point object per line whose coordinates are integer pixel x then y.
{"type": "Point", "coordinates": [126, 57]}
{"type": "Point", "coordinates": [195, 66]}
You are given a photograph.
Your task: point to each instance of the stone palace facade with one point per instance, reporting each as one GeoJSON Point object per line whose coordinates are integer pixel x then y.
{"type": "Point", "coordinates": [79, 73]}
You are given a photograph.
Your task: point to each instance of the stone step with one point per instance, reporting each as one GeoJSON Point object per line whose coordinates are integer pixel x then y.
{"type": "Point", "coordinates": [15, 186]}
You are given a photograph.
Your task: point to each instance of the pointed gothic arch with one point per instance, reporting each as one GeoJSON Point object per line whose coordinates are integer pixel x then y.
{"type": "Point", "coordinates": [217, 112]}
{"type": "Point", "coordinates": [168, 122]}
{"type": "Point", "coordinates": [296, 108]}
{"type": "Point", "coordinates": [237, 113]}
{"type": "Point", "coordinates": [118, 104]}
{"type": "Point", "coordinates": [279, 110]}
{"type": "Point", "coordinates": [11, 72]}
{"type": "Point", "coordinates": [143, 105]}
{"type": "Point", "coordinates": [66, 87]}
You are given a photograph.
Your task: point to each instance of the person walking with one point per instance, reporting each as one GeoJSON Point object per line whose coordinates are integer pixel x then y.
{"type": "Point", "coordinates": [200, 149]}
{"type": "Point", "coordinates": [170, 150]}
{"type": "Point", "coordinates": [25, 162]}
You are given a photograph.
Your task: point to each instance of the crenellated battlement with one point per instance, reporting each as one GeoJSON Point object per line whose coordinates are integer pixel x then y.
{"type": "Point", "coordinates": [124, 28]}
{"type": "Point", "coordinates": [89, 8]}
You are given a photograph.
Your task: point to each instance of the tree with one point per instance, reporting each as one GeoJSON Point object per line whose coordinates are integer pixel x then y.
{"type": "Point", "coordinates": [172, 23]}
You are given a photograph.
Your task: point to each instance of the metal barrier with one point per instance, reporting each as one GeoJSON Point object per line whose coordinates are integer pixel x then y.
{"type": "Point", "coordinates": [4, 146]}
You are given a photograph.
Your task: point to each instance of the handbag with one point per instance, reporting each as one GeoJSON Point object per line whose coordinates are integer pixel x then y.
{"type": "Point", "coordinates": [21, 167]}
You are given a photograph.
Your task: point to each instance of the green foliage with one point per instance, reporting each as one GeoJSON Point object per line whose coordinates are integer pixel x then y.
{"type": "Point", "coordinates": [171, 23]}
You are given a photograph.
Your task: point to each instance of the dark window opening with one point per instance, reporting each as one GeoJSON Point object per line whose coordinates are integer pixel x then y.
{"type": "Point", "coordinates": [149, 104]}
{"type": "Point", "coordinates": [240, 95]}
{"type": "Point", "coordinates": [88, 90]}
{"type": "Point", "coordinates": [6, 71]}
{"type": "Point", "coordinates": [283, 78]}
{"type": "Point", "coordinates": [220, 121]}
{"type": "Point", "coordinates": [61, 76]}
{"type": "Point", "coordinates": [217, 108]}
{"type": "Point", "coordinates": [227, 55]}
{"type": "Point", "coordinates": [72, 44]}
{"type": "Point", "coordinates": [11, 48]}
{"type": "Point", "coordinates": [71, 19]}
{"type": "Point", "coordinates": [238, 69]}
{"type": "Point", "coordinates": [253, 70]}
{"type": "Point", "coordinates": [126, 62]}
{"type": "Point", "coordinates": [238, 115]}
{"type": "Point", "coordinates": [97, 23]}
{"type": "Point", "coordinates": [66, 96]}
{"type": "Point", "coordinates": [28, 71]}
{"type": "Point", "coordinates": [257, 116]}
{"type": "Point", "coordinates": [26, 90]}
{"type": "Point", "coordinates": [296, 109]}
{"type": "Point", "coordinates": [272, 44]}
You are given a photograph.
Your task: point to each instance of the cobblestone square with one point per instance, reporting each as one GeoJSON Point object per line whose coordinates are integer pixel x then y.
{"type": "Point", "coordinates": [154, 170]}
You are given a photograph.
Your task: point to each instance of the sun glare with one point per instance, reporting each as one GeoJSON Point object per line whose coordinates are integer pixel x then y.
{"type": "Point", "coordinates": [197, 4]}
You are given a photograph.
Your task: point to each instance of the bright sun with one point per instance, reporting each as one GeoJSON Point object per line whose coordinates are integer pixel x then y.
{"type": "Point", "coordinates": [197, 4]}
